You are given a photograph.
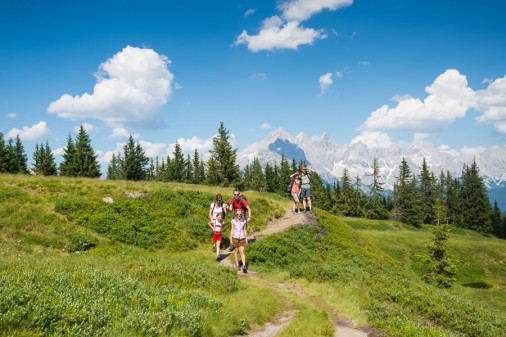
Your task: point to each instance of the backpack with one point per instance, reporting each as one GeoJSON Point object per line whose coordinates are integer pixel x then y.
{"type": "Point", "coordinates": [289, 188]}
{"type": "Point", "coordinates": [222, 207]}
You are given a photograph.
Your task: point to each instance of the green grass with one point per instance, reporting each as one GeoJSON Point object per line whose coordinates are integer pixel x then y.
{"type": "Point", "coordinates": [150, 271]}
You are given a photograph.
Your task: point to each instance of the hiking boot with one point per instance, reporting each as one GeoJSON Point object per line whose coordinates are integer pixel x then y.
{"type": "Point", "coordinates": [218, 257]}
{"type": "Point", "coordinates": [244, 269]}
{"type": "Point", "coordinates": [237, 268]}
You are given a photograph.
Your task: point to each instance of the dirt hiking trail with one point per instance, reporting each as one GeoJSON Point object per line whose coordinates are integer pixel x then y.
{"type": "Point", "coordinates": [342, 328]}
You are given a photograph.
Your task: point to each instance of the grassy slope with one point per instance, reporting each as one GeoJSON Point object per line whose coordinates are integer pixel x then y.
{"type": "Point", "coordinates": [168, 284]}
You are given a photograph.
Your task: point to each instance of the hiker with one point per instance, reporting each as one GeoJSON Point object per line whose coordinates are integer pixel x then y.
{"type": "Point", "coordinates": [217, 225]}
{"type": "Point", "coordinates": [306, 188]}
{"type": "Point", "coordinates": [238, 202]}
{"type": "Point", "coordinates": [295, 191]}
{"type": "Point", "coordinates": [239, 235]}
{"type": "Point", "coordinates": [217, 207]}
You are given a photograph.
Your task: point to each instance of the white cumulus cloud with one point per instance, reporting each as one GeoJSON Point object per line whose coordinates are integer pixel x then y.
{"type": "Point", "coordinates": [301, 10]}
{"type": "Point", "coordinates": [131, 87]}
{"type": "Point", "coordinates": [449, 98]}
{"type": "Point", "coordinates": [265, 126]}
{"type": "Point", "coordinates": [325, 81]}
{"type": "Point", "coordinates": [491, 103]}
{"type": "Point", "coordinates": [275, 34]}
{"type": "Point", "coordinates": [118, 133]}
{"type": "Point", "coordinates": [373, 139]}
{"type": "Point", "coordinates": [86, 126]}
{"type": "Point", "coordinates": [33, 132]}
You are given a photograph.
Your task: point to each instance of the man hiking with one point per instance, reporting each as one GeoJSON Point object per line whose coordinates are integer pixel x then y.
{"type": "Point", "coordinates": [305, 186]}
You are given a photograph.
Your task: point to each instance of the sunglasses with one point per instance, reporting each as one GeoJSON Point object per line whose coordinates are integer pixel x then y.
{"type": "Point", "coordinates": [239, 214]}
{"type": "Point", "coordinates": [236, 195]}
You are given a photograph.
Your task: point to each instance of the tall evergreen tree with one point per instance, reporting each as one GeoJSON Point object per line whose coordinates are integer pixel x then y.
{"type": "Point", "coordinates": [427, 194]}
{"type": "Point", "coordinates": [284, 173]}
{"type": "Point", "coordinates": [476, 206]}
{"type": "Point", "coordinates": [85, 157]}
{"type": "Point", "coordinates": [114, 168]}
{"type": "Point", "coordinates": [258, 182]}
{"type": "Point", "coordinates": [17, 159]}
{"type": "Point", "coordinates": [270, 178]}
{"type": "Point", "coordinates": [44, 161]}
{"type": "Point", "coordinates": [188, 170]}
{"type": "Point", "coordinates": [223, 159]}
{"type": "Point", "coordinates": [401, 190]}
{"type": "Point", "coordinates": [134, 161]}
{"type": "Point", "coordinates": [375, 205]}
{"type": "Point", "coordinates": [177, 164]}
{"type": "Point", "coordinates": [319, 193]}
{"type": "Point", "coordinates": [496, 220]}
{"type": "Point", "coordinates": [346, 195]}
{"type": "Point", "coordinates": [3, 154]}
{"type": "Point", "coordinates": [68, 167]}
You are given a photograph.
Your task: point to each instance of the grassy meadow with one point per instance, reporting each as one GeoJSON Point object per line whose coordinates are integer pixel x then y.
{"type": "Point", "coordinates": [149, 269]}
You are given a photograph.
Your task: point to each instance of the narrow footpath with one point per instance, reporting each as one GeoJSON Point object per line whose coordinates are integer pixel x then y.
{"type": "Point", "coordinates": [342, 328]}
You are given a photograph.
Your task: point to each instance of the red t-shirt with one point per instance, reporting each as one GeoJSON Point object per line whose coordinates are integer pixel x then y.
{"type": "Point", "coordinates": [240, 203]}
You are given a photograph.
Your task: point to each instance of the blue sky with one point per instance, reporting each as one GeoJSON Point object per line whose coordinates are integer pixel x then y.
{"type": "Point", "coordinates": [374, 71]}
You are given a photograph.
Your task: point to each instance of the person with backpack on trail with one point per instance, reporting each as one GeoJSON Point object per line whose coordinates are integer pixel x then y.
{"type": "Point", "coordinates": [239, 235]}
{"type": "Point", "coordinates": [238, 202]}
{"type": "Point", "coordinates": [306, 188]}
{"type": "Point", "coordinates": [295, 191]}
{"type": "Point", "coordinates": [217, 207]}
{"type": "Point", "coordinates": [217, 226]}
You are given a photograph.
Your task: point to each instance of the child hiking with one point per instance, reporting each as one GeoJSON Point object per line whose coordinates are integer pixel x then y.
{"type": "Point", "coordinates": [217, 226]}
{"type": "Point", "coordinates": [295, 191]}
{"type": "Point", "coordinates": [238, 202]}
{"type": "Point", "coordinates": [217, 207]}
{"type": "Point", "coordinates": [239, 235]}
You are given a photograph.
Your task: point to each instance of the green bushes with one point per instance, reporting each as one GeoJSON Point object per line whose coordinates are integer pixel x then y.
{"type": "Point", "coordinates": [66, 301]}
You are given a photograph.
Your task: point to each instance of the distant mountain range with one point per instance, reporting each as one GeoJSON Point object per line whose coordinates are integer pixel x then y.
{"type": "Point", "coordinates": [329, 159]}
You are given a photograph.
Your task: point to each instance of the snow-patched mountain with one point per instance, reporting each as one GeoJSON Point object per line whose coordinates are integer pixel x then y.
{"type": "Point", "coordinates": [330, 159]}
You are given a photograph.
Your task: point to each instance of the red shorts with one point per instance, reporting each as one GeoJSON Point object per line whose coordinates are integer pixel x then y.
{"type": "Point", "coordinates": [217, 236]}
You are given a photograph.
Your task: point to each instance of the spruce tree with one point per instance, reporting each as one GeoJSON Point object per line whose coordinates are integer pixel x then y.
{"type": "Point", "coordinates": [114, 168]}
{"type": "Point", "coordinates": [497, 220]}
{"type": "Point", "coordinates": [68, 167]}
{"type": "Point", "coordinates": [44, 163]}
{"type": "Point", "coordinates": [18, 159]}
{"type": "Point", "coordinates": [375, 205]}
{"type": "Point", "coordinates": [258, 182]}
{"type": "Point", "coordinates": [177, 164]}
{"type": "Point", "coordinates": [401, 190]}
{"type": "Point", "coordinates": [270, 178]}
{"type": "Point", "coordinates": [224, 160]}
{"type": "Point", "coordinates": [188, 170]}
{"type": "Point", "coordinates": [3, 154]}
{"type": "Point", "coordinates": [319, 197]}
{"type": "Point", "coordinates": [284, 173]}
{"type": "Point", "coordinates": [475, 203]}
{"type": "Point", "coordinates": [427, 193]}
{"type": "Point", "coordinates": [134, 161]}
{"type": "Point", "coordinates": [346, 195]}
{"type": "Point", "coordinates": [85, 158]}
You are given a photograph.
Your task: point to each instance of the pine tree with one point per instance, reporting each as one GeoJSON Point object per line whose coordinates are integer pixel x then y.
{"type": "Point", "coordinates": [440, 267]}
{"type": "Point", "coordinates": [188, 170]}
{"type": "Point", "coordinates": [401, 190]}
{"type": "Point", "coordinates": [427, 193]}
{"type": "Point", "coordinates": [198, 169]}
{"type": "Point", "coordinates": [270, 178]}
{"type": "Point", "coordinates": [412, 212]}
{"type": "Point", "coordinates": [223, 160]}
{"type": "Point", "coordinates": [44, 161]}
{"type": "Point", "coordinates": [177, 164]}
{"type": "Point", "coordinates": [475, 203]}
{"type": "Point", "coordinates": [319, 197]}
{"type": "Point", "coordinates": [68, 165]}
{"type": "Point", "coordinates": [18, 158]}
{"type": "Point", "coordinates": [284, 174]}
{"type": "Point", "coordinates": [258, 182]}
{"type": "Point", "coordinates": [85, 158]}
{"type": "Point", "coordinates": [134, 161]}
{"type": "Point", "coordinates": [346, 194]}
{"type": "Point", "coordinates": [3, 154]}
{"type": "Point", "coordinates": [375, 207]}
{"type": "Point", "coordinates": [114, 168]}
{"type": "Point", "coordinates": [497, 220]}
